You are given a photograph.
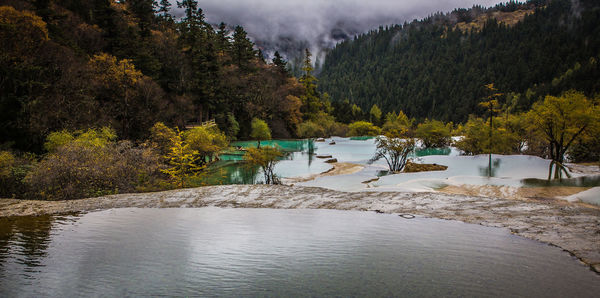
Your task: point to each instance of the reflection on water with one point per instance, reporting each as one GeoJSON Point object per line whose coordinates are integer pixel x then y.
{"type": "Point", "coordinates": [25, 240]}
{"type": "Point", "coordinates": [585, 181]}
{"type": "Point", "coordinates": [506, 170]}
{"type": "Point", "coordinates": [264, 252]}
{"type": "Point", "coordinates": [297, 161]}
{"type": "Point", "coordinates": [491, 169]}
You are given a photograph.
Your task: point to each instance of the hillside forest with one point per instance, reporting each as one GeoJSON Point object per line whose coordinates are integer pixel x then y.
{"type": "Point", "coordinates": [101, 96]}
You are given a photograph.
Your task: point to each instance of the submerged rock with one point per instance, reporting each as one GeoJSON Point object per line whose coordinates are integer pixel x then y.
{"type": "Point", "coordinates": [333, 160]}
{"type": "Point", "coordinates": [324, 156]}
{"type": "Point", "coordinates": [371, 180]}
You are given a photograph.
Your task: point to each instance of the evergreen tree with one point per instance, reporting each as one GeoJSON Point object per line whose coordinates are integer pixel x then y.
{"type": "Point", "coordinates": [198, 45]}
{"type": "Point", "coordinates": [223, 40]}
{"type": "Point", "coordinates": [435, 67]}
{"type": "Point", "coordinates": [144, 11]}
{"type": "Point", "coordinates": [311, 100]}
{"type": "Point", "coordinates": [242, 49]}
{"type": "Point", "coordinates": [164, 8]}
{"type": "Point", "coordinates": [280, 63]}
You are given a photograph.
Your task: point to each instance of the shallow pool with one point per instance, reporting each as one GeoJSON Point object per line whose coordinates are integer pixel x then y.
{"type": "Point", "coordinates": [301, 161]}
{"type": "Point", "coordinates": [266, 252]}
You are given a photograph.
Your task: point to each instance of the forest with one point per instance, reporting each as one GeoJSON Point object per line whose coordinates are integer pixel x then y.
{"type": "Point", "coordinates": [437, 67]}
{"type": "Point", "coordinates": [105, 96]}
{"type": "Point", "coordinates": [129, 64]}
{"type": "Point", "coordinates": [102, 97]}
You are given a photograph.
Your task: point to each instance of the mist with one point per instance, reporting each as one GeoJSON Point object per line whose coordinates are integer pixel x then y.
{"type": "Point", "coordinates": [318, 24]}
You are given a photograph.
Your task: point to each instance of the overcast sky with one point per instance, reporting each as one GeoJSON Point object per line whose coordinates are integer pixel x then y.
{"type": "Point", "coordinates": [310, 20]}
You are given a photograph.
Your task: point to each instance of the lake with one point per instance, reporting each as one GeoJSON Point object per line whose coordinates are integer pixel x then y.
{"type": "Point", "coordinates": [301, 161]}
{"type": "Point", "coordinates": [267, 252]}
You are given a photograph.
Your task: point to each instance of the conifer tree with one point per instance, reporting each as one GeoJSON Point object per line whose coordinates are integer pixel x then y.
{"type": "Point", "coordinates": [164, 9]}
{"type": "Point", "coordinates": [311, 100]}
{"type": "Point", "coordinates": [280, 63]}
{"type": "Point", "coordinates": [183, 160]}
{"type": "Point", "coordinates": [144, 11]}
{"type": "Point", "coordinates": [243, 49]}
{"type": "Point", "coordinates": [223, 41]}
{"type": "Point", "coordinates": [198, 39]}
{"type": "Point", "coordinates": [491, 105]}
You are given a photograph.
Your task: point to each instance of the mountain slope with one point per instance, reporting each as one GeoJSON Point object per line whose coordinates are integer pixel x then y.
{"type": "Point", "coordinates": [437, 67]}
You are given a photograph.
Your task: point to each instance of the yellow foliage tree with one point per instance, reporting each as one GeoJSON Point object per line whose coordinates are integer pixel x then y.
{"type": "Point", "coordinates": [208, 142]}
{"type": "Point", "coordinates": [563, 120]}
{"type": "Point", "coordinates": [120, 78]}
{"type": "Point", "coordinates": [394, 150]}
{"type": "Point", "coordinates": [183, 161]}
{"type": "Point", "coordinates": [21, 31]}
{"type": "Point", "coordinates": [111, 71]}
{"type": "Point", "coordinates": [396, 124]}
{"type": "Point", "coordinates": [363, 128]}
{"type": "Point", "coordinates": [265, 157]}
{"type": "Point", "coordinates": [161, 136]}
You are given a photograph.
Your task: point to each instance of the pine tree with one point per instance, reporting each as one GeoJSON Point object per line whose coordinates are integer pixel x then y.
{"type": "Point", "coordinates": [311, 100]}
{"type": "Point", "coordinates": [242, 49]}
{"type": "Point", "coordinates": [198, 43]}
{"type": "Point", "coordinates": [164, 9]}
{"type": "Point", "coordinates": [223, 41]}
{"type": "Point", "coordinates": [144, 11]}
{"type": "Point", "coordinates": [280, 63]}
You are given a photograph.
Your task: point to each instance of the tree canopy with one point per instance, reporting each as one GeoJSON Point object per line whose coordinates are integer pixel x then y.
{"type": "Point", "coordinates": [563, 120]}
{"type": "Point", "coordinates": [434, 68]}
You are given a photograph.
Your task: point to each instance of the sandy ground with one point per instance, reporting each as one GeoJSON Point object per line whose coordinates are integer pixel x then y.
{"type": "Point", "coordinates": [339, 168]}
{"type": "Point", "coordinates": [573, 227]}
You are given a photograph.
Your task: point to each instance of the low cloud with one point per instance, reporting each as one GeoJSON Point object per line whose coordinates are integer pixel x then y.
{"type": "Point", "coordinates": [319, 24]}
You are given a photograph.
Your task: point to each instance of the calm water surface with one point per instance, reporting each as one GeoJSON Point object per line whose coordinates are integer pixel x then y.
{"type": "Point", "coordinates": [265, 252]}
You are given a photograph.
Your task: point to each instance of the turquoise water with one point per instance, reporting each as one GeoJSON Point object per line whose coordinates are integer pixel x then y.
{"type": "Point", "coordinates": [213, 252]}
{"type": "Point", "coordinates": [507, 170]}
{"type": "Point", "coordinates": [299, 160]}
{"type": "Point", "coordinates": [432, 151]}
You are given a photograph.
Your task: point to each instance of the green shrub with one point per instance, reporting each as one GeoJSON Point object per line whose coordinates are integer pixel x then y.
{"type": "Point", "coordinates": [433, 134]}
{"type": "Point", "coordinates": [397, 124]}
{"type": "Point", "coordinates": [208, 142]}
{"type": "Point", "coordinates": [92, 164]}
{"type": "Point", "coordinates": [505, 140]}
{"type": "Point", "coordinates": [161, 136]}
{"type": "Point", "coordinates": [13, 170]}
{"type": "Point", "coordinates": [363, 128]}
{"type": "Point", "coordinates": [310, 129]}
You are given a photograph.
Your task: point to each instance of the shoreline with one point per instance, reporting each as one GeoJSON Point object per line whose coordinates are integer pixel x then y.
{"type": "Point", "coordinates": [338, 168]}
{"type": "Point", "coordinates": [573, 227]}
